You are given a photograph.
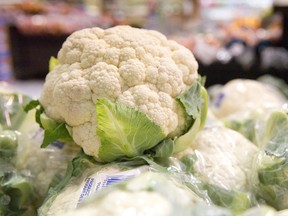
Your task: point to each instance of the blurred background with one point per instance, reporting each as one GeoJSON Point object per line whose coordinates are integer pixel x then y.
{"type": "Point", "coordinates": [229, 38]}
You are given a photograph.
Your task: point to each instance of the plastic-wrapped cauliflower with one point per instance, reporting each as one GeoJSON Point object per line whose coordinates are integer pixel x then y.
{"type": "Point", "coordinates": [84, 178]}
{"type": "Point", "coordinates": [244, 98]}
{"type": "Point", "coordinates": [150, 193]}
{"type": "Point", "coordinates": [123, 90]}
{"type": "Point", "coordinates": [26, 170]}
{"type": "Point", "coordinates": [221, 161]}
{"type": "Point", "coordinates": [224, 157]}
{"type": "Point", "coordinates": [43, 166]}
{"type": "Point", "coordinates": [244, 105]}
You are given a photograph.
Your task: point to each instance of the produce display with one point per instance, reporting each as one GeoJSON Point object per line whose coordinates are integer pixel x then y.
{"type": "Point", "coordinates": [54, 18]}
{"type": "Point", "coordinates": [125, 125]}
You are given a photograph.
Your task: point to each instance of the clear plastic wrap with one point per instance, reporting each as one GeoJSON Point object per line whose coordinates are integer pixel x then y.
{"type": "Point", "coordinates": [11, 102]}
{"type": "Point", "coordinates": [245, 105]}
{"type": "Point", "coordinates": [83, 178]}
{"type": "Point", "coordinates": [243, 98]}
{"type": "Point", "coordinates": [26, 170]}
{"type": "Point", "coordinates": [262, 210]}
{"type": "Point", "coordinates": [262, 118]}
{"type": "Point", "coordinates": [43, 166]}
{"type": "Point", "coordinates": [269, 182]}
{"type": "Point", "coordinates": [150, 193]}
{"type": "Point", "coordinates": [16, 193]}
{"type": "Point", "coordinates": [221, 159]}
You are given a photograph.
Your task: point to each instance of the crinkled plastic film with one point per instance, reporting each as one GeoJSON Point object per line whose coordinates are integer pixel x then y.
{"type": "Point", "coordinates": [91, 180]}
{"type": "Point", "coordinates": [243, 98]}
{"type": "Point", "coordinates": [269, 182]}
{"type": "Point", "coordinates": [223, 157]}
{"type": "Point", "coordinates": [154, 193]}
{"type": "Point", "coordinates": [26, 166]}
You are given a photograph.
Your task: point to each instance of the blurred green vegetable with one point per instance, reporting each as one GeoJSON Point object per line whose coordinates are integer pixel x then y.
{"type": "Point", "coordinates": [53, 62]}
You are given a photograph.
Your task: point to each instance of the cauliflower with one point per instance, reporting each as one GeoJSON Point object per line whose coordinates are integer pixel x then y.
{"type": "Point", "coordinates": [224, 157]}
{"type": "Point", "coordinates": [219, 162]}
{"type": "Point", "coordinates": [138, 72]}
{"type": "Point", "coordinates": [150, 193]}
{"type": "Point", "coordinates": [243, 98]}
{"type": "Point", "coordinates": [244, 105]}
{"type": "Point", "coordinates": [89, 178]}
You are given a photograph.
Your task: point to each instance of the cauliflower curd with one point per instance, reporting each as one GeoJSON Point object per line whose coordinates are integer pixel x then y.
{"type": "Point", "coordinates": [136, 67]}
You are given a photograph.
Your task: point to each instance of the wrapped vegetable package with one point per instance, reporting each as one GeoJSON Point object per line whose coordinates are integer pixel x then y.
{"type": "Point", "coordinates": [244, 98]}
{"type": "Point", "coordinates": [26, 170]}
{"type": "Point", "coordinates": [271, 166]}
{"type": "Point", "coordinates": [222, 160]}
{"type": "Point", "coordinates": [150, 193]}
{"type": "Point", "coordinates": [222, 157]}
{"type": "Point", "coordinates": [245, 105]}
{"type": "Point", "coordinates": [85, 177]}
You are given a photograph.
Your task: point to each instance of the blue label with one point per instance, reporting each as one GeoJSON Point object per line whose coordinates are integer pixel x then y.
{"type": "Point", "coordinates": [116, 178]}
{"type": "Point", "coordinates": [219, 99]}
{"type": "Point", "coordinates": [87, 188]}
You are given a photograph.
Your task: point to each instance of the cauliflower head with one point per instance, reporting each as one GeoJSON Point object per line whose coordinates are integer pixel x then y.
{"type": "Point", "coordinates": [224, 157]}
{"type": "Point", "coordinates": [243, 98]}
{"type": "Point", "coordinates": [150, 193]}
{"type": "Point", "coordinates": [138, 68]}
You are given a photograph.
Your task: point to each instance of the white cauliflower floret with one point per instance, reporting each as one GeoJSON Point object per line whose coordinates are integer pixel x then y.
{"type": "Point", "coordinates": [132, 72]}
{"type": "Point", "coordinates": [137, 67]}
{"type": "Point", "coordinates": [99, 78]}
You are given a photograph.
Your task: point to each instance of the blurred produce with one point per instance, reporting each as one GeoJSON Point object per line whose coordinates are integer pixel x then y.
{"type": "Point", "coordinates": [56, 18]}
{"type": "Point", "coordinates": [240, 48]}
{"type": "Point", "coordinates": [230, 39]}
